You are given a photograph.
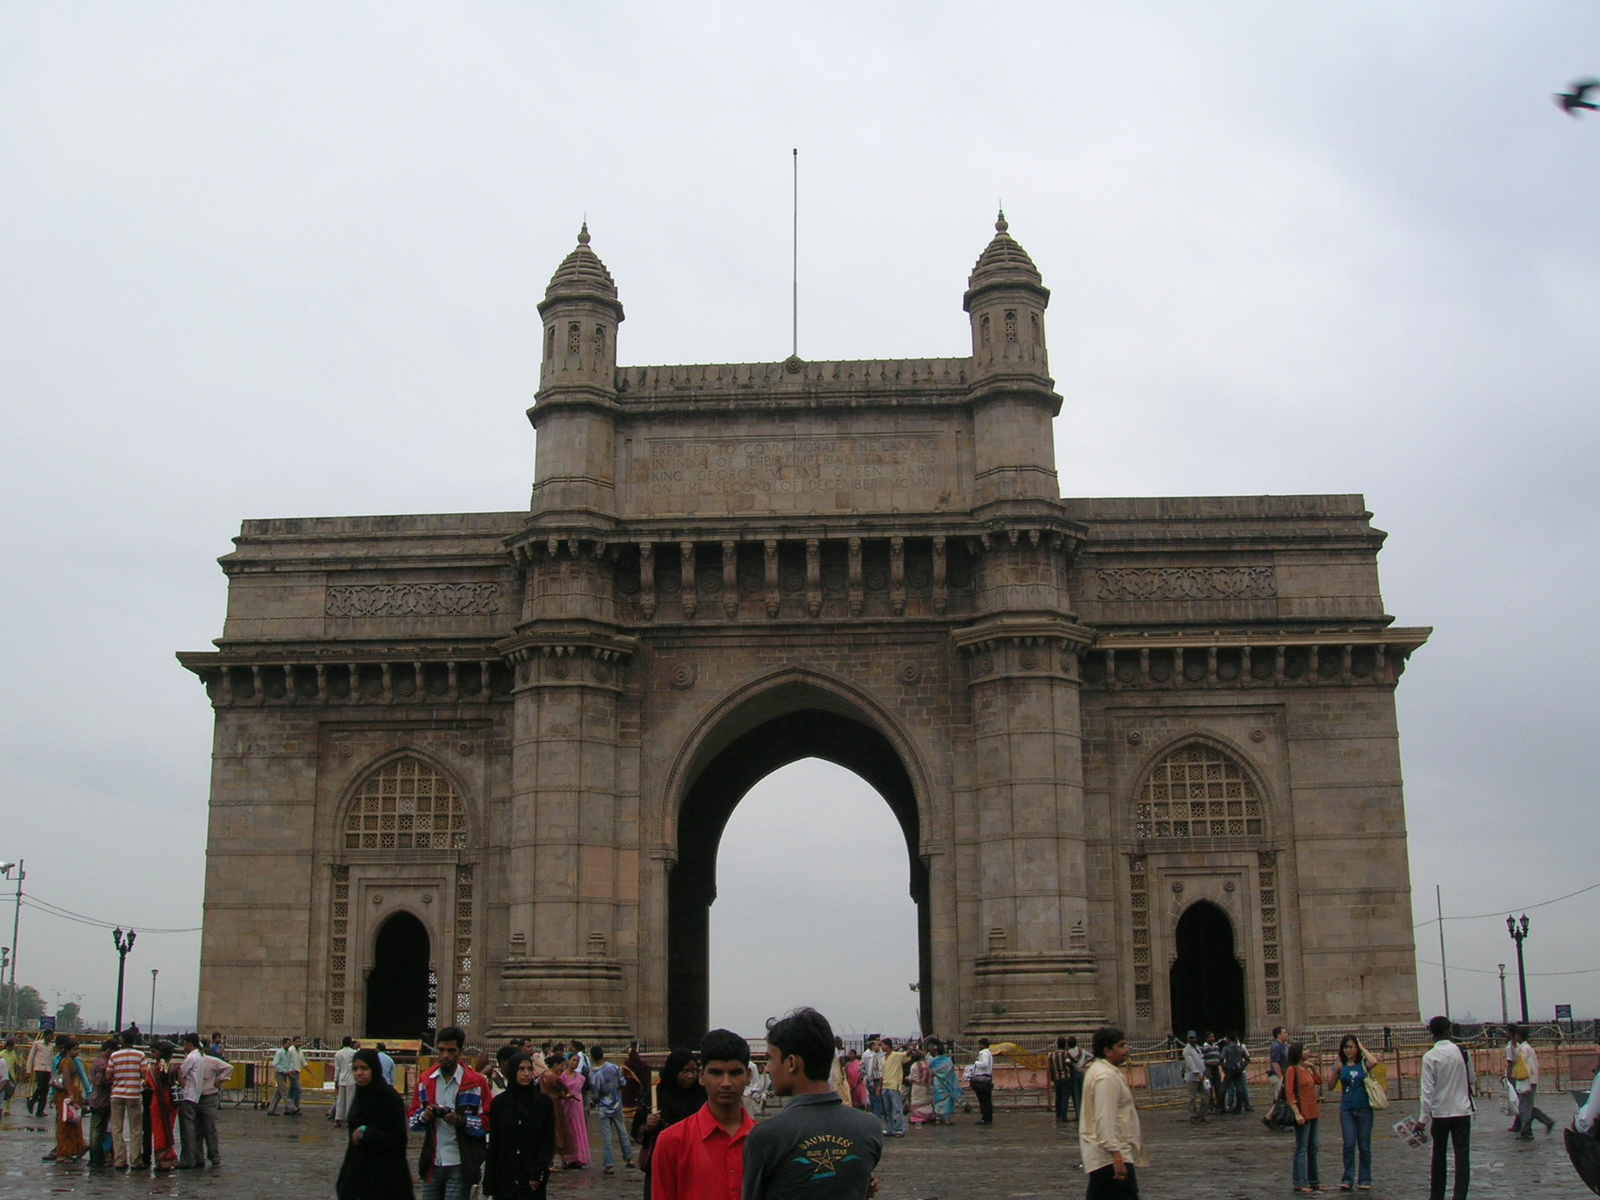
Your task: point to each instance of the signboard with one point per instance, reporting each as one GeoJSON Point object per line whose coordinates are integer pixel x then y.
{"type": "Point", "coordinates": [47, 1024]}
{"type": "Point", "coordinates": [1564, 1014]}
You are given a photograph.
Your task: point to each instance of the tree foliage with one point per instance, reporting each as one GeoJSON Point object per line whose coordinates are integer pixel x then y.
{"type": "Point", "coordinates": [30, 1005]}
{"type": "Point", "coordinates": [69, 1018]}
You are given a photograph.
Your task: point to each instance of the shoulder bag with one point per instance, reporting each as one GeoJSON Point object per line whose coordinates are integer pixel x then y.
{"type": "Point", "coordinates": [1519, 1069]}
{"type": "Point", "coordinates": [1378, 1086]}
{"type": "Point", "coordinates": [1280, 1115]}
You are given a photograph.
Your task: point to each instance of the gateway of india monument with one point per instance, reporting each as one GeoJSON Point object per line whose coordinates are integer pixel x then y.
{"type": "Point", "coordinates": [473, 768]}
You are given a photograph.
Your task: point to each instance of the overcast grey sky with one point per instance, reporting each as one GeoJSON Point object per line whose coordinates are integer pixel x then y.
{"type": "Point", "coordinates": [283, 259]}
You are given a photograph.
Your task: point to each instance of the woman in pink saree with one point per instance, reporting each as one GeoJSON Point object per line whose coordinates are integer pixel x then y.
{"type": "Point", "coordinates": [572, 1114]}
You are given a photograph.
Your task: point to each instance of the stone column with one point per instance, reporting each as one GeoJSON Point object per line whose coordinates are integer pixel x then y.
{"type": "Point", "coordinates": [569, 875]}
{"type": "Point", "coordinates": [1031, 975]}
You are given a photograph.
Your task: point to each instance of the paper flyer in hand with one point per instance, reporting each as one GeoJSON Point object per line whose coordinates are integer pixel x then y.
{"type": "Point", "coordinates": [1412, 1132]}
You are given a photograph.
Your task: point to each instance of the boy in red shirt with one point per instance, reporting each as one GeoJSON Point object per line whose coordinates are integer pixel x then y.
{"type": "Point", "coordinates": [702, 1158]}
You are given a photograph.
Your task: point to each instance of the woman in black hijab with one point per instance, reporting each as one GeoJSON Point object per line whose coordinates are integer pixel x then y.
{"type": "Point", "coordinates": [375, 1166]}
{"type": "Point", "coordinates": [522, 1135]}
{"type": "Point", "coordinates": [679, 1094]}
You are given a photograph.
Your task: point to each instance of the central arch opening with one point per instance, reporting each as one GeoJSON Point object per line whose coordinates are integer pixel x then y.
{"type": "Point", "coordinates": [1207, 980]}
{"type": "Point", "coordinates": [397, 989]}
{"type": "Point", "coordinates": [709, 802]}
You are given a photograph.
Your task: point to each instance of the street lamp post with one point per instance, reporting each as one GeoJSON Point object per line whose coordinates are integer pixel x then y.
{"type": "Point", "coordinates": [154, 971]}
{"type": "Point", "coordinates": [1505, 1018]}
{"type": "Point", "coordinates": [16, 923]}
{"type": "Point", "coordinates": [1519, 933]}
{"type": "Point", "coordinates": [123, 946]}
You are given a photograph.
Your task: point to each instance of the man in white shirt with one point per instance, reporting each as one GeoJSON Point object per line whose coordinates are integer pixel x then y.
{"type": "Point", "coordinates": [1194, 1076]}
{"type": "Point", "coordinates": [198, 1103]}
{"type": "Point", "coordinates": [344, 1078]}
{"type": "Point", "coordinates": [1109, 1137]}
{"type": "Point", "coordinates": [1447, 1078]}
{"type": "Point", "coordinates": [872, 1075]}
{"type": "Point", "coordinates": [1588, 1118]}
{"type": "Point", "coordinates": [1522, 1060]}
{"type": "Point", "coordinates": [983, 1082]}
{"type": "Point", "coordinates": [386, 1061]}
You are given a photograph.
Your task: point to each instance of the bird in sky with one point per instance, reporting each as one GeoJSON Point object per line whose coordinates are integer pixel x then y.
{"type": "Point", "coordinates": [1578, 97]}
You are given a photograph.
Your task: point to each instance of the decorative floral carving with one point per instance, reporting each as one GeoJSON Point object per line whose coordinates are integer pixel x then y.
{"type": "Point", "coordinates": [1027, 660]}
{"type": "Point", "coordinates": [910, 672]}
{"type": "Point", "coordinates": [681, 677]}
{"type": "Point", "coordinates": [1187, 583]}
{"type": "Point", "coordinates": [413, 599]}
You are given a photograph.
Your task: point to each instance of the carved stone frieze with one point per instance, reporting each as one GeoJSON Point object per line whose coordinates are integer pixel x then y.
{"type": "Point", "coordinates": [1186, 583]}
{"type": "Point", "coordinates": [413, 600]}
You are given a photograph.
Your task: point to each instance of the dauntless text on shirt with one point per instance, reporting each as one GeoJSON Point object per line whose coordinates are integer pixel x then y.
{"type": "Point", "coordinates": [815, 1148]}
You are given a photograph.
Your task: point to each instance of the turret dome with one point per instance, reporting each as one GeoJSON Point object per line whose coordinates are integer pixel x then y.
{"type": "Point", "coordinates": [581, 275]}
{"type": "Point", "coordinates": [1003, 263]}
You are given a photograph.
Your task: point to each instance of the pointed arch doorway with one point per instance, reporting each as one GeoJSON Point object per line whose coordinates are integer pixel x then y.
{"type": "Point", "coordinates": [709, 801]}
{"type": "Point", "coordinates": [1206, 979]}
{"type": "Point", "coordinates": [398, 999]}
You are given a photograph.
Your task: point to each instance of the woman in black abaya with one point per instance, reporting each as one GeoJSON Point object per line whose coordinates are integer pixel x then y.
{"type": "Point", "coordinates": [375, 1166]}
{"type": "Point", "coordinates": [522, 1135]}
{"type": "Point", "coordinates": [679, 1094]}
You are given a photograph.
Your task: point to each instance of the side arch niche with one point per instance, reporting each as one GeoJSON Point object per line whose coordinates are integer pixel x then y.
{"type": "Point", "coordinates": [402, 920]}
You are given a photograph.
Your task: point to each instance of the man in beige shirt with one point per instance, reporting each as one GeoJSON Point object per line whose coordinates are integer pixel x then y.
{"type": "Point", "coordinates": [1109, 1137]}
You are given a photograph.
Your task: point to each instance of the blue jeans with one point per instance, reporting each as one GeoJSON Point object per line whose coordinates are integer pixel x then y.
{"type": "Point", "coordinates": [875, 1099]}
{"type": "Point", "coordinates": [894, 1112]}
{"type": "Point", "coordinates": [1235, 1093]}
{"type": "Point", "coordinates": [446, 1184]}
{"type": "Point", "coordinates": [1305, 1155]}
{"type": "Point", "coordinates": [1063, 1098]}
{"type": "Point", "coordinates": [608, 1122]}
{"type": "Point", "coordinates": [1356, 1125]}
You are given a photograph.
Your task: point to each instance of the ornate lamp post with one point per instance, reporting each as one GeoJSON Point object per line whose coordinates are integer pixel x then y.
{"type": "Point", "coordinates": [154, 971]}
{"type": "Point", "coordinates": [1518, 934]}
{"type": "Point", "coordinates": [123, 946]}
{"type": "Point", "coordinates": [1505, 1017]}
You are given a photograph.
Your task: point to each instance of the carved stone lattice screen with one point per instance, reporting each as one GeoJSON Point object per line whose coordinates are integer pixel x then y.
{"type": "Point", "coordinates": [1198, 792]}
{"type": "Point", "coordinates": [338, 945]}
{"type": "Point", "coordinates": [406, 805]}
{"type": "Point", "coordinates": [1139, 885]}
{"type": "Point", "coordinates": [463, 940]}
{"type": "Point", "coordinates": [1271, 964]}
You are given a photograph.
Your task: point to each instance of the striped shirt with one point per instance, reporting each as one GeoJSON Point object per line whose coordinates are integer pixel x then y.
{"type": "Point", "coordinates": [127, 1073]}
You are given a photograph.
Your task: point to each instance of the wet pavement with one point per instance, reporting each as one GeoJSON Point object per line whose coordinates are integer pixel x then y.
{"type": "Point", "coordinates": [1023, 1154]}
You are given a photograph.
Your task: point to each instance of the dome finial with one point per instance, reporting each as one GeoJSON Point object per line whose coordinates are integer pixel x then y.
{"type": "Point", "coordinates": [1001, 224]}
{"type": "Point", "coordinates": [583, 233]}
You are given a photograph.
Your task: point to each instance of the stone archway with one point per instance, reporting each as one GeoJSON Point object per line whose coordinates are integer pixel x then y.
{"type": "Point", "coordinates": [398, 989]}
{"type": "Point", "coordinates": [1206, 979]}
{"type": "Point", "coordinates": [709, 802]}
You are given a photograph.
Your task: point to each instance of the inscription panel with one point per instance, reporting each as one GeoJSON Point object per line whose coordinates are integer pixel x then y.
{"type": "Point", "coordinates": [795, 473]}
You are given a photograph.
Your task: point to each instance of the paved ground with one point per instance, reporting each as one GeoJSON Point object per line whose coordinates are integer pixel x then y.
{"type": "Point", "coordinates": [1022, 1155]}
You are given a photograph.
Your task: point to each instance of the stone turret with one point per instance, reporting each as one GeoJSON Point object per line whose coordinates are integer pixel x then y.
{"type": "Point", "coordinates": [575, 409]}
{"type": "Point", "coordinates": [1006, 299]}
{"type": "Point", "coordinates": [1013, 400]}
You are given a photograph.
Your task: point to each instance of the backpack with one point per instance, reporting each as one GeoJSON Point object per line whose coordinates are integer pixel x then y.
{"type": "Point", "coordinates": [1234, 1057]}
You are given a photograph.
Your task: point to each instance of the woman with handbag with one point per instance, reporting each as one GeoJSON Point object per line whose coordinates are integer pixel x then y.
{"type": "Point", "coordinates": [1351, 1076]}
{"type": "Point", "coordinates": [1301, 1085]}
{"type": "Point", "coordinates": [69, 1089]}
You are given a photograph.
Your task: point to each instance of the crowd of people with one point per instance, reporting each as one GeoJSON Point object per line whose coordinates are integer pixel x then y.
{"type": "Point", "coordinates": [691, 1129]}
{"type": "Point", "coordinates": [130, 1106]}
